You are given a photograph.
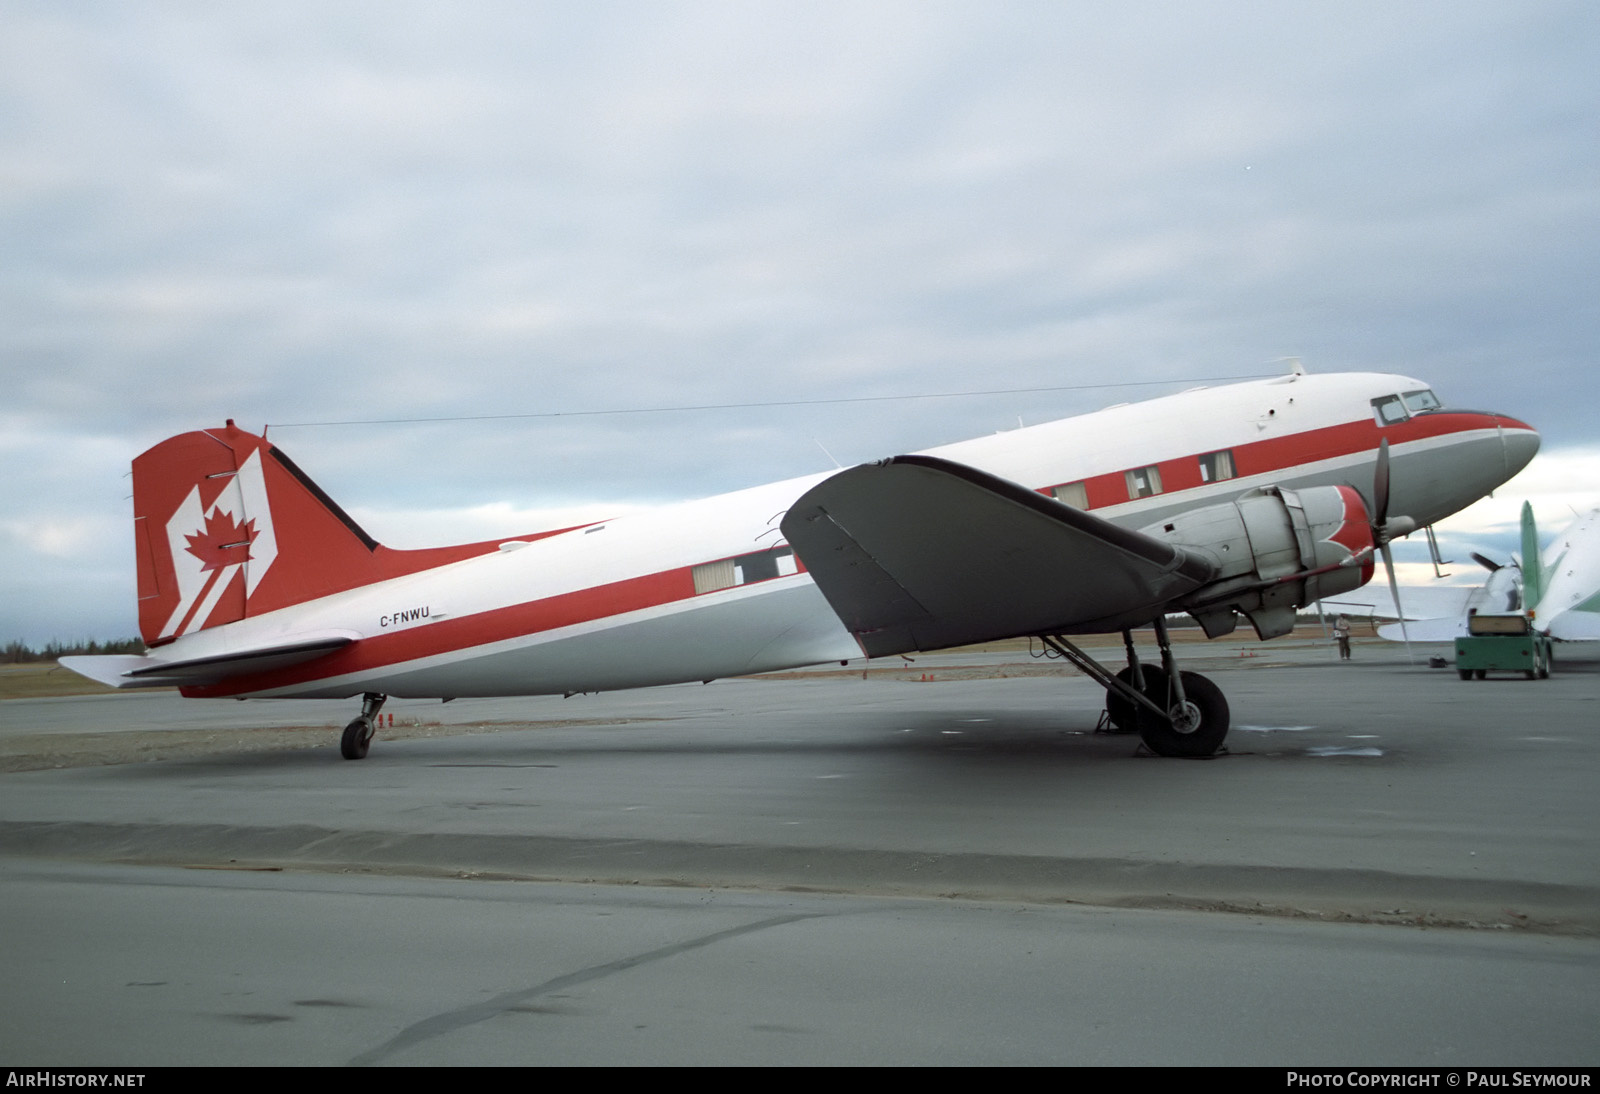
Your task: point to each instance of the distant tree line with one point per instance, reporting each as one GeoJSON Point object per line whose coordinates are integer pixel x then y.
{"type": "Point", "coordinates": [17, 653]}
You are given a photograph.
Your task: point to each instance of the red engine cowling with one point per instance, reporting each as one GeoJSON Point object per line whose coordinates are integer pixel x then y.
{"type": "Point", "coordinates": [1276, 550]}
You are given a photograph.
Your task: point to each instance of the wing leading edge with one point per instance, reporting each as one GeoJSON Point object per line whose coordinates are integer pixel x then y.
{"type": "Point", "coordinates": [921, 553]}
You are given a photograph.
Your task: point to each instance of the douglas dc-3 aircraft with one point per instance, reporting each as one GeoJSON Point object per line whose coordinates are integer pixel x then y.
{"type": "Point", "coordinates": [1243, 499]}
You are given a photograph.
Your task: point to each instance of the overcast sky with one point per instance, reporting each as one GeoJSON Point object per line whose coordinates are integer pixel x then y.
{"type": "Point", "coordinates": [291, 214]}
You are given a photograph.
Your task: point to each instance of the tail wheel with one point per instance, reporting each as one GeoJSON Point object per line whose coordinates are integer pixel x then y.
{"type": "Point", "coordinates": [357, 737]}
{"type": "Point", "coordinates": [1195, 727]}
{"type": "Point", "coordinates": [1124, 712]}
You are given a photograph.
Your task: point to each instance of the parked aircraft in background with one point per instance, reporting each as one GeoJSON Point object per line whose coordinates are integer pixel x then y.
{"type": "Point", "coordinates": [1560, 590]}
{"type": "Point", "coordinates": [1250, 499]}
{"type": "Point", "coordinates": [1563, 589]}
{"type": "Point", "coordinates": [1434, 612]}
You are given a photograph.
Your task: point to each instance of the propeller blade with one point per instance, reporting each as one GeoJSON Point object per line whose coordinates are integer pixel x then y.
{"type": "Point", "coordinates": [1380, 486]}
{"type": "Point", "coordinates": [1394, 590]}
{"type": "Point", "coordinates": [1487, 563]}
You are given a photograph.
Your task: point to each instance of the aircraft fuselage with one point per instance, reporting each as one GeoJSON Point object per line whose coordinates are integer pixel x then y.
{"type": "Point", "coordinates": [707, 588]}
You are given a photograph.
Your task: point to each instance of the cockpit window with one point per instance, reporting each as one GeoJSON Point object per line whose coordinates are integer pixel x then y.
{"type": "Point", "coordinates": [1420, 402]}
{"type": "Point", "coordinates": [1389, 410]}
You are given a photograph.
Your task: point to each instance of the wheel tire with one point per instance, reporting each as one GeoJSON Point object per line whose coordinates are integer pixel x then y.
{"type": "Point", "coordinates": [1465, 674]}
{"type": "Point", "coordinates": [1483, 674]}
{"type": "Point", "coordinates": [1210, 710]}
{"type": "Point", "coordinates": [357, 737]}
{"type": "Point", "coordinates": [1124, 712]}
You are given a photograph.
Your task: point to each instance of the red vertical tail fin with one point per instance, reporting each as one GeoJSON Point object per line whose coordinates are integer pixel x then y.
{"type": "Point", "coordinates": [225, 526]}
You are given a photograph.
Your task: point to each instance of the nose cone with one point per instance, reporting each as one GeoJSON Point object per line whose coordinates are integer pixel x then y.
{"type": "Point", "coordinates": [1473, 453]}
{"type": "Point", "coordinates": [1520, 443]}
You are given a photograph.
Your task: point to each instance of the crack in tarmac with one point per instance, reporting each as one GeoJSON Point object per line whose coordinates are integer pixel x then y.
{"type": "Point", "coordinates": [450, 1021]}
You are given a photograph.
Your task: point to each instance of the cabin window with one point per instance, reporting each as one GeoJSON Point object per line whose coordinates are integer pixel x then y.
{"type": "Point", "coordinates": [1144, 482]}
{"type": "Point", "coordinates": [1420, 402]}
{"type": "Point", "coordinates": [1389, 410]}
{"type": "Point", "coordinates": [763, 565]}
{"type": "Point", "coordinates": [1216, 466]}
{"type": "Point", "coordinates": [1075, 494]}
{"type": "Point", "coordinates": [744, 569]}
{"type": "Point", "coordinates": [711, 576]}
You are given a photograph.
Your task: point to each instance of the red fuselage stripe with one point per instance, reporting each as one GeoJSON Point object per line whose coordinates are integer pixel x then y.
{"type": "Point", "coordinates": [448, 635]}
{"type": "Point", "coordinates": [1269, 456]}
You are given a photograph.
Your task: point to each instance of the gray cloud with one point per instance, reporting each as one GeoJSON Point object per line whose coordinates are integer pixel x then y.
{"type": "Point", "coordinates": [309, 212]}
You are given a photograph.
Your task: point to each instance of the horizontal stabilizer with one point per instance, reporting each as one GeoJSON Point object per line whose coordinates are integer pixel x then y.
{"type": "Point", "coordinates": [920, 553]}
{"type": "Point", "coordinates": [134, 671]}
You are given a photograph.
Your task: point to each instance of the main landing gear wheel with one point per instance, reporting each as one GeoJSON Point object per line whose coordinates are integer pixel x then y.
{"type": "Point", "coordinates": [1124, 712]}
{"type": "Point", "coordinates": [358, 734]}
{"type": "Point", "coordinates": [1195, 727]}
{"type": "Point", "coordinates": [357, 738]}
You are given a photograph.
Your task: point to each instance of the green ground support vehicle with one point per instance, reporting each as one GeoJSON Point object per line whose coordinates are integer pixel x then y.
{"type": "Point", "coordinates": [1502, 643]}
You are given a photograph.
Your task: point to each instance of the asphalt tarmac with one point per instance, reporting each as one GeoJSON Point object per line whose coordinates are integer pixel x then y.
{"type": "Point", "coordinates": [1389, 866]}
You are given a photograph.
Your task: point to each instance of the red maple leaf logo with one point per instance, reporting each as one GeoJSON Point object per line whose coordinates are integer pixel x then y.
{"type": "Point", "coordinates": [223, 542]}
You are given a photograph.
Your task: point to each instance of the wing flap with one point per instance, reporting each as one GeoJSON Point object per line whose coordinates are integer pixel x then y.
{"type": "Point", "coordinates": [919, 553]}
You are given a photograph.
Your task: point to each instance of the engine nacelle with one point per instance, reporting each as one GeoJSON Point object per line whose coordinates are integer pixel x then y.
{"type": "Point", "coordinates": [1276, 550]}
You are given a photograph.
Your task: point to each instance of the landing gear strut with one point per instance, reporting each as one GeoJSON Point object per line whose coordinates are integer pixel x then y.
{"type": "Point", "coordinates": [1176, 713]}
{"type": "Point", "coordinates": [358, 734]}
{"type": "Point", "coordinates": [1147, 680]}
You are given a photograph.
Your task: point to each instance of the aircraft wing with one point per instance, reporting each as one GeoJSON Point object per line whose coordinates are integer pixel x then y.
{"type": "Point", "coordinates": [136, 671]}
{"type": "Point", "coordinates": [920, 553]}
{"type": "Point", "coordinates": [1575, 626]}
{"type": "Point", "coordinates": [1441, 629]}
{"type": "Point", "coordinates": [1421, 602]}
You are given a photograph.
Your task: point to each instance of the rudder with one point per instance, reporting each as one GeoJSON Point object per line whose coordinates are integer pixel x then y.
{"type": "Point", "coordinates": [1532, 569]}
{"type": "Point", "coordinates": [225, 527]}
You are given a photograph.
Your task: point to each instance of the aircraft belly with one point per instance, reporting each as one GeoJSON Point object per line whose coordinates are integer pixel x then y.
{"type": "Point", "coordinates": [733, 634]}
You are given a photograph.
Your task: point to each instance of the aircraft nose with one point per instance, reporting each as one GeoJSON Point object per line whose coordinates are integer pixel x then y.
{"type": "Point", "coordinates": [1519, 443]}
{"type": "Point", "coordinates": [1488, 450]}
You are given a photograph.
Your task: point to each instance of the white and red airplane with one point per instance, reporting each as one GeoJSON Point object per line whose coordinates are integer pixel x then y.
{"type": "Point", "coordinates": [1243, 499]}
